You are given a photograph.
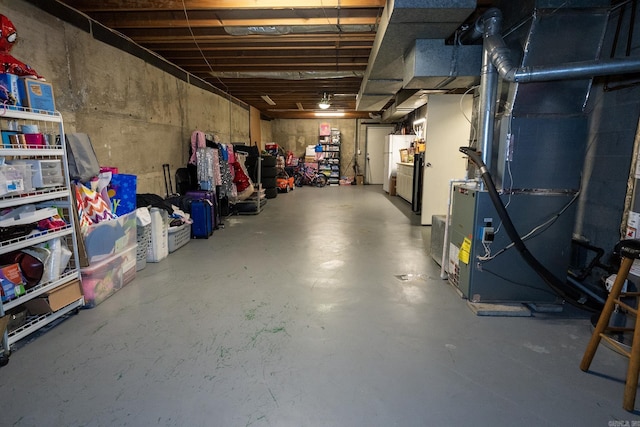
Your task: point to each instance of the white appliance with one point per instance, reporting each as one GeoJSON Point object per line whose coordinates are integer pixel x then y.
{"type": "Point", "coordinates": [391, 155]}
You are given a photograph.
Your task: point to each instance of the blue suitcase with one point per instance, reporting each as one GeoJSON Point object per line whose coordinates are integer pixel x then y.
{"type": "Point", "coordinates": [202, 226]}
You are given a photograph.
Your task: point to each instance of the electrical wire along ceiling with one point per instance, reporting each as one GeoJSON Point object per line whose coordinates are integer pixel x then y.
{"type": "Point", "coordinates": [280, 56]}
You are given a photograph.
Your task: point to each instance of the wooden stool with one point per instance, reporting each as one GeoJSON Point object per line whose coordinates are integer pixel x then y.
{"type": "Point", "coordinates": [629, 251]}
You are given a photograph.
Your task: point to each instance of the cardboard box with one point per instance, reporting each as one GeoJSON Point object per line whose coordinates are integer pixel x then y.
{"type": "Point", "coordinates": [4, 321]}
{"type": "Point", "coordinates": [359, 179]}
{"type": "Point", "coordinates": [37, 95]}
{"type": "Point", "coordinates": [310, 151]}
{"type": "Point", "coordinates": [7, 141]}
{"type": "Point", "coordinates": [56, 299]}
{"type": "Point", "coordinates": [11, 282]}
{"type": "Point", "coordinates": [392, 185]}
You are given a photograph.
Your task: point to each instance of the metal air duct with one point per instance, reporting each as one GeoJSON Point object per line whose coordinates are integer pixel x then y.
{"type": "Point", "coordinates": [500, 56]}
{"type": "Point", "coordinates": [401, 24]}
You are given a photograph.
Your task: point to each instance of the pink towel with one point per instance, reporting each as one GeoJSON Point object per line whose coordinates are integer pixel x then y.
{"type": "Point", "coordinates": [197, 141]}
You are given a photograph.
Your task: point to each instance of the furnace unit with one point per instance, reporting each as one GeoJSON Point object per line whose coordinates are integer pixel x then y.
{"type": "Point", "coordinates": [481, 263]}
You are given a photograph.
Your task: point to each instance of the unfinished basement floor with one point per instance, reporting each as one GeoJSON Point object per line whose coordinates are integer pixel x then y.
{"type": "Point", "coordinates": [326, 309]}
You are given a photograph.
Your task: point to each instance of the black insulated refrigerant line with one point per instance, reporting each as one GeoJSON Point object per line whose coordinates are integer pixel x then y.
{"type": "Point", "coordinates": [562, 289]}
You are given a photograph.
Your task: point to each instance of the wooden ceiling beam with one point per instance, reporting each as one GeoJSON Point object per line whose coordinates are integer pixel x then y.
{"type": "Point", "coordinates": [118, 23]}
{"type": "Point", "coordinates": [300, 93]}
{"type": "Point", "coordinates": [291, 65]}
{"type": "Point", "coordinates": [310, 66]}
{"type": "Point", "coordinates": [317, 43]}
{"type": "Point", "coordinates": [190, 50]}
{"type": "Point", "coordinates": [196, 37]}
{"type": "Point", "coordinates": [219, 35]}
{"type": "Point", "coordinates": [257, 18]}
{"type": "Point", "coordinates": [269, 63]}
{"type": "Point", "coordinates": [347, 82]}
{"type": "Point", "coordinates": [267, 53]}
{"type": "Point", "coordinates": [151, 5]}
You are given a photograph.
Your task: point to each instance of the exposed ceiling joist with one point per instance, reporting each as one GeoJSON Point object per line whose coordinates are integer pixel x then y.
{"type": "Point", "coordinates": [153, 5]}
{"type": "Point", "coordinates": [289, 51]}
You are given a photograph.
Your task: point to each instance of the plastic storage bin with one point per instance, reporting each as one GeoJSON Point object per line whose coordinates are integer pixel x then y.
{"type": "Point", "coordinates": [101, 280]}
{"type": "Point", "coordinates": [179, 236]}
{"type": "Point", "coordinates": [104, 278]}
{"type": "Point", "coordinates": [45, 173]}
{"type": "Point", "coordinates": [110, 237]}
{"type": "Point", "coordinates": [15, 179]}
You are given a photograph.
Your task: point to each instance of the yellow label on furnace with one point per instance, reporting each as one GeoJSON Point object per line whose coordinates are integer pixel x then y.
{"type": "Point", "coordinates": [465, 251]}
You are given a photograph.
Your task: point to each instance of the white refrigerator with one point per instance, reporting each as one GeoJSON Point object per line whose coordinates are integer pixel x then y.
{"type": "Point", "coordinates": [391, 155]}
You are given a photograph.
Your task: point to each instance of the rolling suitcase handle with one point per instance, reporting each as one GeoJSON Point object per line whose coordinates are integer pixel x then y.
{"type": "Point", "coordinates": [168, 185]}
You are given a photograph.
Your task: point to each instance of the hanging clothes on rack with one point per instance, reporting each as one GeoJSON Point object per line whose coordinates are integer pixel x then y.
{"type": "Point", "coordinates": [227, 188]}
{"type": "Point", "coordinates": [204, 163]}
{"type": "Point", "coordinates": [198, 140]}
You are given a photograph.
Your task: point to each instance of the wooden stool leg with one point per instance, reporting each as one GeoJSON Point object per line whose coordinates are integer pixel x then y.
{"type": "Point", "coordinates": [603, 321]}
{"type": "Point", "coordinates": [631, 385]}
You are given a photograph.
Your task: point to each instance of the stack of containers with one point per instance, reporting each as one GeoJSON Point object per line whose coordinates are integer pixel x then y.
{"type": "Point", "coordinates": [111, 252]}
{"type": "Point", "coordinates": [111, 246]}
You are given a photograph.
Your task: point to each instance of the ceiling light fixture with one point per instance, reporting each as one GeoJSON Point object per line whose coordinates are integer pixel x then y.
{"type": "Point", "coordinates": [268, 100]}
{"type": "Point", "coordinates": [324, 102]}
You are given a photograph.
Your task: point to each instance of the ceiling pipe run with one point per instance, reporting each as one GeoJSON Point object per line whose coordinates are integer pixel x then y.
{"type": "Point", "coordinates": [501, 58]}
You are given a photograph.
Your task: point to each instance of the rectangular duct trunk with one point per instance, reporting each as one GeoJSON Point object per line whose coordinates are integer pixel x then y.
{"type": "Point", "coordinates": [402, 22]}
{"type": "Point", "coordinates": [430, 64]}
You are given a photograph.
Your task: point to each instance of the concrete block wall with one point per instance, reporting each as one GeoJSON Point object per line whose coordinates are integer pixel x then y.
{"type": "Point", "coordinates": [137, 115]}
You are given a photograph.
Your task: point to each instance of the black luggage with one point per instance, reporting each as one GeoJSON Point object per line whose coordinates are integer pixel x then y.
{"type": "Point", "coordinates": [183, 181]}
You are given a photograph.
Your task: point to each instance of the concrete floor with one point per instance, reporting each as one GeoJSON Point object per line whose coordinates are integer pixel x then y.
{"type": "Point", "coordinates": [297, 317]}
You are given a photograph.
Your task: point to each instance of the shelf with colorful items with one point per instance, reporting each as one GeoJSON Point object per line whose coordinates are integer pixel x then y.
{"type": "Point", "coordinates": [39, 268]}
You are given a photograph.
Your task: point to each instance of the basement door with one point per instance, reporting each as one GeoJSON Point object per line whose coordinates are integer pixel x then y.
{"type": "Point", "coordinates": [374, 153]}
{"type": "Point", "coordinates": [447, 129]}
